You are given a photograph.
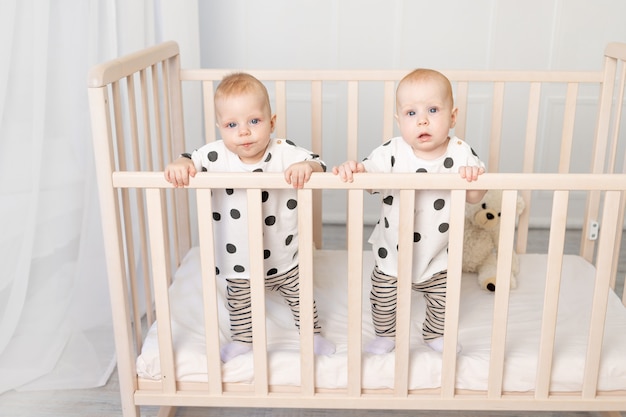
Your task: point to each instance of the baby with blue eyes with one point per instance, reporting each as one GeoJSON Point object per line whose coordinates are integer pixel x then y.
{"type": "Point", "coordinates": [425, 114]}
{"type": "Point", "coordinates": [245, 123]}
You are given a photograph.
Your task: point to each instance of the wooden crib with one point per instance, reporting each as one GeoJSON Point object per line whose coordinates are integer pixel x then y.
{"type": "Point", "coordinates": [161, 271]}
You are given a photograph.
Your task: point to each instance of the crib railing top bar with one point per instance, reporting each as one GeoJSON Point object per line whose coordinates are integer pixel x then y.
{"type": "Point", "coordinates": [616, 50]}
{"type": "Point", "coordinates": [113, 70]}
{"type": "Point", "coordinates": [496, 181]}
{"type": "Point", "coordinates": [394, 75]}
{"type": "Point", "coordinates": [116, 69]}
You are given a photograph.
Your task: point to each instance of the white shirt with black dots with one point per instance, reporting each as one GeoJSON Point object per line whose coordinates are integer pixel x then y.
{"type": "Point", "coordinates": [432, 207]}
{"type": "Point", "coordinates": [230, 214]}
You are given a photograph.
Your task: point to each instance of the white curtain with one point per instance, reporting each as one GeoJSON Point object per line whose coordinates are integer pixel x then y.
{"type": "Point", "coordinates": [55, 321]}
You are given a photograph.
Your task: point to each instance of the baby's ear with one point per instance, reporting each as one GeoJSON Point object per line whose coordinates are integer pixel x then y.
{"type": "Point", "coordinates": [272, 123]}
{"type": "Point", "coordinates": [455, 112]}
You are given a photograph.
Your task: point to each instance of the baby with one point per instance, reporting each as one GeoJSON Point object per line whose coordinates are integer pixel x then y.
{"type": "Point", "coordinates": [245, 123]}
{"type": "Point", "coordinates": [425, 113]}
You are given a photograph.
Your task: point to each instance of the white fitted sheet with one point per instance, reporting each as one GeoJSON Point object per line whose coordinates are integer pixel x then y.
{"type": "Point", "coordinates": [476, 316]}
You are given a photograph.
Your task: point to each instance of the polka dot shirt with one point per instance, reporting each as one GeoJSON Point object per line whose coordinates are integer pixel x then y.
{"type": "Point", "coordinates": [280, 217]}
{"type": "Point", "coordinates": [432, 208]}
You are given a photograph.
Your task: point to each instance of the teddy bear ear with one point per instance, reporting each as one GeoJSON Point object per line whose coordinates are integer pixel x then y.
{"type": "Point", "coordinates": [521, 205]}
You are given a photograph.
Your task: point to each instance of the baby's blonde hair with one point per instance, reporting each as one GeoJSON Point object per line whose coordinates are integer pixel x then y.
{"type": "Point", "coordinates": [425, 74]}
{"type": "Point", "coordinates": [241, 83]}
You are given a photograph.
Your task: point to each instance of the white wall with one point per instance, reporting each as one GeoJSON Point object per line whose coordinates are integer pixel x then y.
{"type": "Point", "coordinates": [452, 34]}
{"type": "Point", "coordinates": [404, 34]}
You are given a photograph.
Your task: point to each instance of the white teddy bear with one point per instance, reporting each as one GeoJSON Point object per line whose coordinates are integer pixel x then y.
{"type": "Point", "coordinates": [482, 228]}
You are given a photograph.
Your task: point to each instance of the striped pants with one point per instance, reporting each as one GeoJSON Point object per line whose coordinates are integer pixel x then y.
{"type": "Point", "coordinates": [383, 299]}
{"type": "Point", "coordinates": [239, 302]}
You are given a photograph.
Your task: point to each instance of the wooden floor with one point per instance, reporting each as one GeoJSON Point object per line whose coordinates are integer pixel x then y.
{"type": "Point", "coordinates": [105, 401]}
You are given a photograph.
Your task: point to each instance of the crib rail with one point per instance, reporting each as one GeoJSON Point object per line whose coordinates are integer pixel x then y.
{"type": "Point", "coordinates": [512, 103]}
{"type": "Point", "coordinates": [215, 392]}
{"type": "Point", "coordinates": [138, 126]}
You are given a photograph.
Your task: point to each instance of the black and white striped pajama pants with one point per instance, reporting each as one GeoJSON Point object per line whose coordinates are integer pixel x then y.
{"type": "Point", "coordinates": [239, 302]}
{"type": "Point", "coordinates": [383, 300]}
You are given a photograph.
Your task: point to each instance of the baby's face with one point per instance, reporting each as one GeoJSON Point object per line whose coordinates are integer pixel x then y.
{"type": "Point", "coordinates": [425, 115]}
{"type": "Point", "coordinates": [245, 123]}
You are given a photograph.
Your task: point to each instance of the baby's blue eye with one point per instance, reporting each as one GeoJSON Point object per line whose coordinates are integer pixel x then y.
{"type": "Point", "coordinates": [231, 125]}
{"type": "Point", "coordinates": [254, 121]}
{"type": "Point", "coordinates": [433, 110]}
{"type": "Point", "coordinates": [411, 113]}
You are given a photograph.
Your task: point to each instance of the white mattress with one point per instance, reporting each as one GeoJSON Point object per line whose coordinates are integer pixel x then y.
{"type": "Point", "coordinates": [474, 332]}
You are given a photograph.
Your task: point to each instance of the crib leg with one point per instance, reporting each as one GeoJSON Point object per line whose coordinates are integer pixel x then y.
{"type": "Point", "coordinates": [171, 412]}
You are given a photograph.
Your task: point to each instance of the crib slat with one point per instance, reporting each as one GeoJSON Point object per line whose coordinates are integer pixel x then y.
{"type": "Point", "coordinates": [305, 261]}
{"type": "Point", "coordinates": [496, 126]}
{"type": "Point", "coordinates": [532, 121]}
{"type": "Point", "coordinates": [316, 147]}
{"type": "Point", "coordinates": [600, 293]}
{"type": "Point", "coordinates": [118, 117]}
{"type": "Point", "coordinates": [156, 109]}
{"type": "Point", "coordinates": [530, 145]}
{"type": "Point", "coordinates": [617, 52]}
{"type": "Point", "coordinates": [616, 128]}
{"type": "Point", "coordinates": [257, 292]}
{"type": "Point", "coordinates": [170, 145]}
{"type": "Point", "coordinates": [618, 245]}
{"type": "Point", "coordinates": [551, 298]}
{"type": "Point", "coordinates": [174, 104]}
{"type": "Point", "coordinates": [461, 104]}
{"type": "Point", "coordinates": [209, 111]}
{"type": "Point", "coordinates": [353, 120]}
{"type": "Point", "coordinates": [403, 310]}
{"type": "Point", "coordinates": [501, 298]}
{"type": "Point", "coordinates": [388, 109]}
{"type": "Point", "coordinates": [209, 290]}
{"type": "Point", "coordinates": [116, 96]}
{"type": "Point", "coordinates": [453, 295]}
{"type": "Point", "coordinates": [355, 290]}
{"type": "Point", "coordinates": [166, 227]}
{"type": "Point", "coordinates": [568, 127]}
{"type": "Point", "coordinates": [605, 105]}
{"type": "Point", "coordinates": [612, 159]}
{"type": "Point", "coordinates": [175, 129]}
{"type": "Point", "coordinates": [145, 112]}
{"type": "Point", "coordinates": [281, 109]}
{"type": "Point", "coordinates": [316, 117]}
{"type": "Point", "coordinates": [161, 294]}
